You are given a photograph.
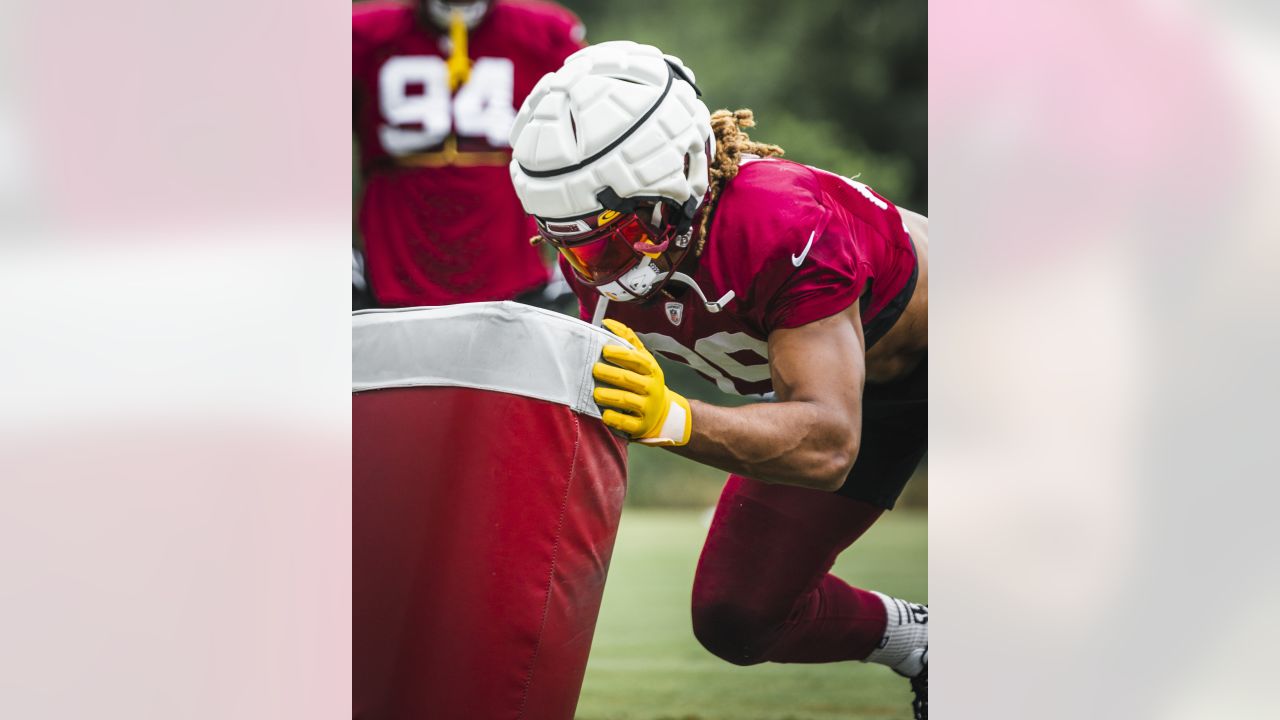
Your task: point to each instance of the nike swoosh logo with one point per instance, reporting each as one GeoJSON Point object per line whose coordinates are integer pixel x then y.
{"type": "Point", "coordinates": [797, 259]}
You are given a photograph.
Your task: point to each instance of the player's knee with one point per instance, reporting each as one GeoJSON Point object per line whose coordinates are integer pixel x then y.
{"type": "Point", "coordinates": [734, 632]}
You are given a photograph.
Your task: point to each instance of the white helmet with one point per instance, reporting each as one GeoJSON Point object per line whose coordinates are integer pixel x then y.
{"type": "Point", "coordinates": [610, 155]}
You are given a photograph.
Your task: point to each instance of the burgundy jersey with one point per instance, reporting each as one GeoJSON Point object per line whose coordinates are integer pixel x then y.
{"type": "Point", "coordinates": [440, 219]}
{"type": "Point", "coordinates": [795, 244]}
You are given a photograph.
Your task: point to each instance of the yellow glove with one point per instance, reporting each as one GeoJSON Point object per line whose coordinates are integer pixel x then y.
{"type": "Point", "coordinates": [650, 412]}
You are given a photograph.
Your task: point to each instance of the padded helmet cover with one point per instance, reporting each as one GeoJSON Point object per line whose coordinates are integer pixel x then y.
{"type": "Point", "coordinates": [619, 117]}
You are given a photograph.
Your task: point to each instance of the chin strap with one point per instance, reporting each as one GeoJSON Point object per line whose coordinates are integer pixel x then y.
{"type": "Point", "coordinates": [713, 307]}
{"type": "Point", "coordinates": [602, 304]}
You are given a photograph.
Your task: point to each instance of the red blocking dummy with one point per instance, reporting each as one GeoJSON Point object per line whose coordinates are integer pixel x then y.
{"type": "Point", "coordinates": [483, 524]}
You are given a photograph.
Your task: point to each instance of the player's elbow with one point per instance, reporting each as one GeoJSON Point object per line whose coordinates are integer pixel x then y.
{"type": "Point", "coordinates": [837, 466]}
{"type": "Point", "coordinates": [834, 459]}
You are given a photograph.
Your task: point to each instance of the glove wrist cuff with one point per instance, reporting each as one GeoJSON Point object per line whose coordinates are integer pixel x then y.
{"type": "Point", "coordinates": [676, 425]}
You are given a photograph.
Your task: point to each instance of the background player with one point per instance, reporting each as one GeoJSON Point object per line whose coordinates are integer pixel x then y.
{"type": "Point", "coordinates": [820, 289]}
{"type": "Point", "coordinates": [436, 87]}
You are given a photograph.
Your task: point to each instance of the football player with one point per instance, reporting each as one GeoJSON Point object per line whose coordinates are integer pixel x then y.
{"type": "Point", "coordinates": [436, 86]}
{"type": "Point", "coordinates": [769, 278]}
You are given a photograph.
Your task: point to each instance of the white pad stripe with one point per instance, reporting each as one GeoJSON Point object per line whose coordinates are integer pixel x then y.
{"type": "Point", "coordinates": [500, 346]}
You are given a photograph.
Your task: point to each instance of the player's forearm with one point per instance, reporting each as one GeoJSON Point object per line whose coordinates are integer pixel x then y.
{"type": "Point", "coordinates": [791, 443]}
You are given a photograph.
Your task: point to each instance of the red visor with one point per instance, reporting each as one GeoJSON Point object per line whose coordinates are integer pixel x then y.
{"type": "Point", "coordinates": [601, 254]}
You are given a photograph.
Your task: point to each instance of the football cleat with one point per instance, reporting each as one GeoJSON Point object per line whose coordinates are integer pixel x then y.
{"type": "Point", "coordinates": [916, 669]}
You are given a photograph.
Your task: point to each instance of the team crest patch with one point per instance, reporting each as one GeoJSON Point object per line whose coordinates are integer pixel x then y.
{"type": "Point", "coordinates": [675, 312]}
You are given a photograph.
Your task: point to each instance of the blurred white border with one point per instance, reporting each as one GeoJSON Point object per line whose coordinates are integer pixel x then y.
{"type": "Point", "coordinates": [174, 419]}
{"type": "Point", "coordinates": [1103, 184]}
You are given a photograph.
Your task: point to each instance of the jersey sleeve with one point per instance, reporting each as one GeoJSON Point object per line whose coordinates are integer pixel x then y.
{"type": "Point", "coordinates": [568, 38]}
{"type": "Point", "coordinates": [787, 244]}
{"type": "Point", "coordinates": [372, 23]}
{"type": "Point", "coordinates": [828, 278]}
{"type": "Point", "coordinates": [565, 34]}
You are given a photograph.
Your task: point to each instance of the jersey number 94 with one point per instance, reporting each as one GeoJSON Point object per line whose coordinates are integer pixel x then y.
{"type": "Point", "coordinates": [420, 112]}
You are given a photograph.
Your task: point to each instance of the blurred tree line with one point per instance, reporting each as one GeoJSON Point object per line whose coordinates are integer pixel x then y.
{"type": "Point", "coordinates": [840, 84]}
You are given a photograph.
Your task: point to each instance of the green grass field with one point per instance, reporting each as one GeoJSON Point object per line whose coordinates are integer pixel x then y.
{"type": "Point", "coordinates": [646, 665]}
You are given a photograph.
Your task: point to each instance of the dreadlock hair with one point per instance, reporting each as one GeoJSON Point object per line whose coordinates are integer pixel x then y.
{"type": "Point", "coordinates": [731, 143]}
